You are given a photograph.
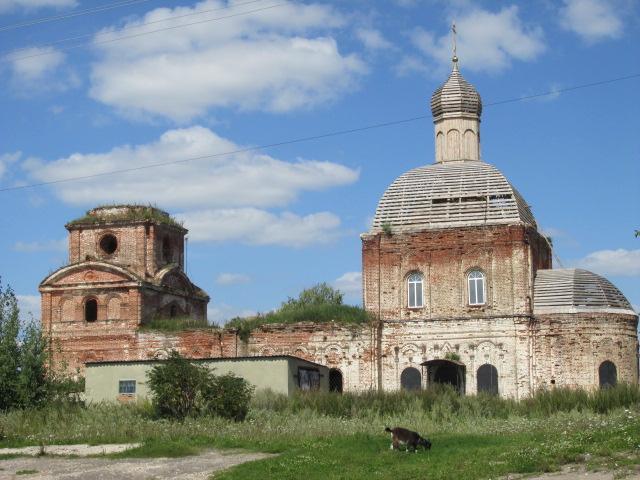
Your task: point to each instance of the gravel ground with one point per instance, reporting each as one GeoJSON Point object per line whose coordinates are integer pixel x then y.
{"type": "Point", "coordinates": [185, 468]}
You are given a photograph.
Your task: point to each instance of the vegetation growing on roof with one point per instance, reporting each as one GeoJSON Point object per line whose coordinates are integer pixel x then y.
{"type": "Point", "coordinates": [126, 213]}
{"type": "Point", "coordinates": [318, 304]}
{"type": "Point", "coordinates": [177, 324]}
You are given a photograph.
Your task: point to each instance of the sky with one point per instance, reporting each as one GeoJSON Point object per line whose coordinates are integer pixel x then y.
{"type": "Point", "coordinates": [227, 87]}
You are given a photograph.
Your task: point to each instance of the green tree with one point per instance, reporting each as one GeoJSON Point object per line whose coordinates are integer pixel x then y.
{"type": "Point", "coordinates": [228, 396]}
{"type": "Point", "coordinates": [9, 349]}
{"type": "Point", "coordinates": [177, 386]}
{"type": "Point", "coordinates": [320, 294]}
{"type": "Point", "coordinates": [34, 384]}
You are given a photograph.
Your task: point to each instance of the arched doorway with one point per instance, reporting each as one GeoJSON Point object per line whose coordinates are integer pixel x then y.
{"type": "Point", "coordinates": [446, 372]}
{"type": "Point", "coordinates": [410, 379]}
{"type": "Point", "coordinates": [608, 374]}
{"type": "Point", "coordinates": [335, 380]}
{"type": "Point", "coordinates": [488, 379]}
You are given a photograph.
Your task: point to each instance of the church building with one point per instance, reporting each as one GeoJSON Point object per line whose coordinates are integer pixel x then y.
{"type": "Point", "coordinates": [455, 272]}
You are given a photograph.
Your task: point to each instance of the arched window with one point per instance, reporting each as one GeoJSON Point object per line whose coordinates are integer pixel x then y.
{"type": "Point", "coordinates": [488, 379]}
{"type": "Point", "coordinates": [173, 311]}
{"type": "Point", "coordinates": [608, 374]}
{"type": "Point", "coordinates": [166, 250]}
{"type": "Point", "coordinates": [335, 380]}
{"type": "Point", "coordinates": [476, 281]}
{"type": "Point", "coordinates": [410, 379]}
{"type": "Point", "coordinates": [91, 310]}
{"type": "Point", "coordinates": [109, 244]}
{"type": "Point", "coordinates": [414, 290]}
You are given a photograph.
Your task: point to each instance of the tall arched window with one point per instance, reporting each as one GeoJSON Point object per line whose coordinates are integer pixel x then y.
{"type": "Point", "coordinates": [476, 281]}
{"type": "Point", "coordinates": [608, 374]}
{"type": "Point", "coordinates": [488, 379]}
{"type": "Point", "coordinates": [414, 290]}
{"type": "Point", "coordinates": [91, 310]}
{"type": "Point", "coordinates": [410, 379]}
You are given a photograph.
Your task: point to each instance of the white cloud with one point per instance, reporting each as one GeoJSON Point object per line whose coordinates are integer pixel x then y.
{"type": "Point", "coordinates": [593, 20]}
{"type": "Point", "coordinates": [350, 284]}
{"type": "Point", "coordinates": [409, 64]}
{"type": "Point", "coordinates": [232, 279]}
{"type": "Point", "coordinates": [373, 39]}
{"type": "Point", "coordinates": [487, 41]}
{"type": "Point", "coordinates": [44, 246]}
{"type": "Point", "coordinates": [276, 60]}
{"type": "Point", "coordinates": [258, 227]}
{"type": "Point", "coordinates": [221, 313]}
{"type": "Point", "coordinates": [620, 262]}
{"type": "Point", "coordinates": [248, 179]}
{"type": "Point", "coordinates": [40, 69]}
{"type": "Point", "coordinates": [29, 306]}
{"type": "Point", "coordinates": [9, 5]}
{"type": "Point", "coordinates": [7, 159]}
{"type": "Point", "coordinates": [35, 62]}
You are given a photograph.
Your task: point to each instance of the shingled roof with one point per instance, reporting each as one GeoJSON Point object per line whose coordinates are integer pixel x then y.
{"type": "Point", "coordinates": [452, 194]}
{"type": "Point", "coordinates": [571, 290]}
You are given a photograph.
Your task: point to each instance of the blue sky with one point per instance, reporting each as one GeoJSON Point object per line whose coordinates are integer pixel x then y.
{"type": "Point", "coordinates": [266, 223]}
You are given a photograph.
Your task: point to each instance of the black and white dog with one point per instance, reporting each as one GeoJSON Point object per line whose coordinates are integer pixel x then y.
{"type": "Point", "coordinates": [412, 440]}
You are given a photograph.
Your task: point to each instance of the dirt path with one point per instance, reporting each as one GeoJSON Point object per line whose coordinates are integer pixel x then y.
{"type": "Point", "coordinates": [576, 472]}
{"type": "Point", "coordinates": [185, 468]}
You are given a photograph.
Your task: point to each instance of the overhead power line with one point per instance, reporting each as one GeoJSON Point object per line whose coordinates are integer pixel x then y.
{"type": "Point", "coordinates": [136, 35]}
{"type": "Point", "coordinates": [307, 139]}
{"type": "Point", "coordinates": [64, 16]}
{"type": "Point", "coordinates": [124, 29]}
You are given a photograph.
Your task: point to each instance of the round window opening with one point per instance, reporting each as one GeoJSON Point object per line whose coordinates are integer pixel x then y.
{"type": "Point", "coordinates": [108, 244]}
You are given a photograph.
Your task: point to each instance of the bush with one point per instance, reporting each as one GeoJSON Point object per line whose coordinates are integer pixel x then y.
{"type": "Point", "coordinates": [228, 396]}
{"type": "Point", "coordinates": [181, 388]}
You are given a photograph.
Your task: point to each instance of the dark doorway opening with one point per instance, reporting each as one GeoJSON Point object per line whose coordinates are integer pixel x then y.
{"type": "Point", "coordinates": [608, 374]}
{"type": "Point", "coordinates": [410, 379]}
{"type": "Point", "coordinates": [446, 372]}
{"type": "Point", "coordinates": [488, 379]}
{"type": "Point", "coordinates": [335, 380]}
{"type": "Point", "coordinates": [91, 310]}
{"type": "Point", "coordinates": [173, 311]}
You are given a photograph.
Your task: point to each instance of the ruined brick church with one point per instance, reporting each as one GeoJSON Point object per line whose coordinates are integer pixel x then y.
{"type": "Point", "coordinates": [454, 269]}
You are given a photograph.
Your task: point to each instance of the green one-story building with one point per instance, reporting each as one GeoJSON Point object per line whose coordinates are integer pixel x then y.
{"type": "Point", "coordinates": [127, 380]}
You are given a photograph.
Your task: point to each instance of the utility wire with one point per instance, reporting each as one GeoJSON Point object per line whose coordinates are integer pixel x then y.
{"type": "Point", "coordinates": [306, 139]}
{"type": "Point", "coordinates": [135, 35]}
{"type": "Point", "coordinates": [125, 29]}
{"type": "Point", "coordinates": [64, 16]}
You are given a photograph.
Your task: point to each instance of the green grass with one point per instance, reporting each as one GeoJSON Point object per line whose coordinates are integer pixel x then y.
{"type": "Point", "coordinates": [26, 472]}
{"type": "Point", "coordinates": [316, 313]}
{"type": "Point", "coordinates": [332, 436]}
{"type": "Point", "coordinates": [135, 213]}
{"type": "Point", "coordinates": [177, 324]}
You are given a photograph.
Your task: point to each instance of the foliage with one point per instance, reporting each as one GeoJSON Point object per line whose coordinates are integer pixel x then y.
{"type": "Point", "coordinates": [452, 356]}
{"type": "Point", "coordinates": [25, 381]}
{"type": "Point", "coordinates": [386, 228]}
{"type": "Point", "coordinates": [318, 304]}
{"type": "Point", "coordinates": [320, 294]}
{"type": "Point", "coordinates": [473, 437]}
{"type": "Point", "coordinates": [177, 386]}
{"type": "Point", "coordinates": [228, 396]}
{"type": "Point", "coordinates": [182, 388]}
{"type": "Point", "coordinates": [343, 314]}
{"type": "Point", "coordinates": [177, 324]}
{"type": "Point", "coordinates": [130, 213]}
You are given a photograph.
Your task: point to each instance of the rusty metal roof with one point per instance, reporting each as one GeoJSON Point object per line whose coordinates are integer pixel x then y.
{"type": "Point", "coordinates": [451, 194]}
{"type": "Point", "coordinates": [571, 290]}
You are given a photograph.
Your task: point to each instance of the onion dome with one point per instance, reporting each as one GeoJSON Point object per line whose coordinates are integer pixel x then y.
{"type": "Point", "coordinates": [451, 194]}
{"type": "Point", "coordinates": [456, 95]}
{"type": "Point", "coordinates": [572, 290]}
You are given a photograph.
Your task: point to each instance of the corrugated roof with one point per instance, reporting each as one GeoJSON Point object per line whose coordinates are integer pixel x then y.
{"type": "Point", "coordinates": [209, 359]}
{"type": "Point", "coordinates": [451, 194]}
{"type": "Point", "coordinates": [570, 290]}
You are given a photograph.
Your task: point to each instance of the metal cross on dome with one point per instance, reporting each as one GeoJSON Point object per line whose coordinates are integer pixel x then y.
{"type": "Point", "coordinates": [454, 32]}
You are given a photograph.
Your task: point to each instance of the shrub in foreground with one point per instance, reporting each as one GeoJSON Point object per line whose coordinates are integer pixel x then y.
{"type": "Point", "coordinates": [181, 388]}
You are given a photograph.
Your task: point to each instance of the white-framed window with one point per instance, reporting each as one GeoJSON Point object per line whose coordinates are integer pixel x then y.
{"type": "Point", "coordinates": [477, 289]}
{"type": "Point", "coordinates": [127, 387]}
{"type": "Point", "coordinates": [414, 290]}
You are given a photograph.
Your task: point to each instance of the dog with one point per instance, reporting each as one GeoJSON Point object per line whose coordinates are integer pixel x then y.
{"type": "Point", "coordinates": [412, 440]}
